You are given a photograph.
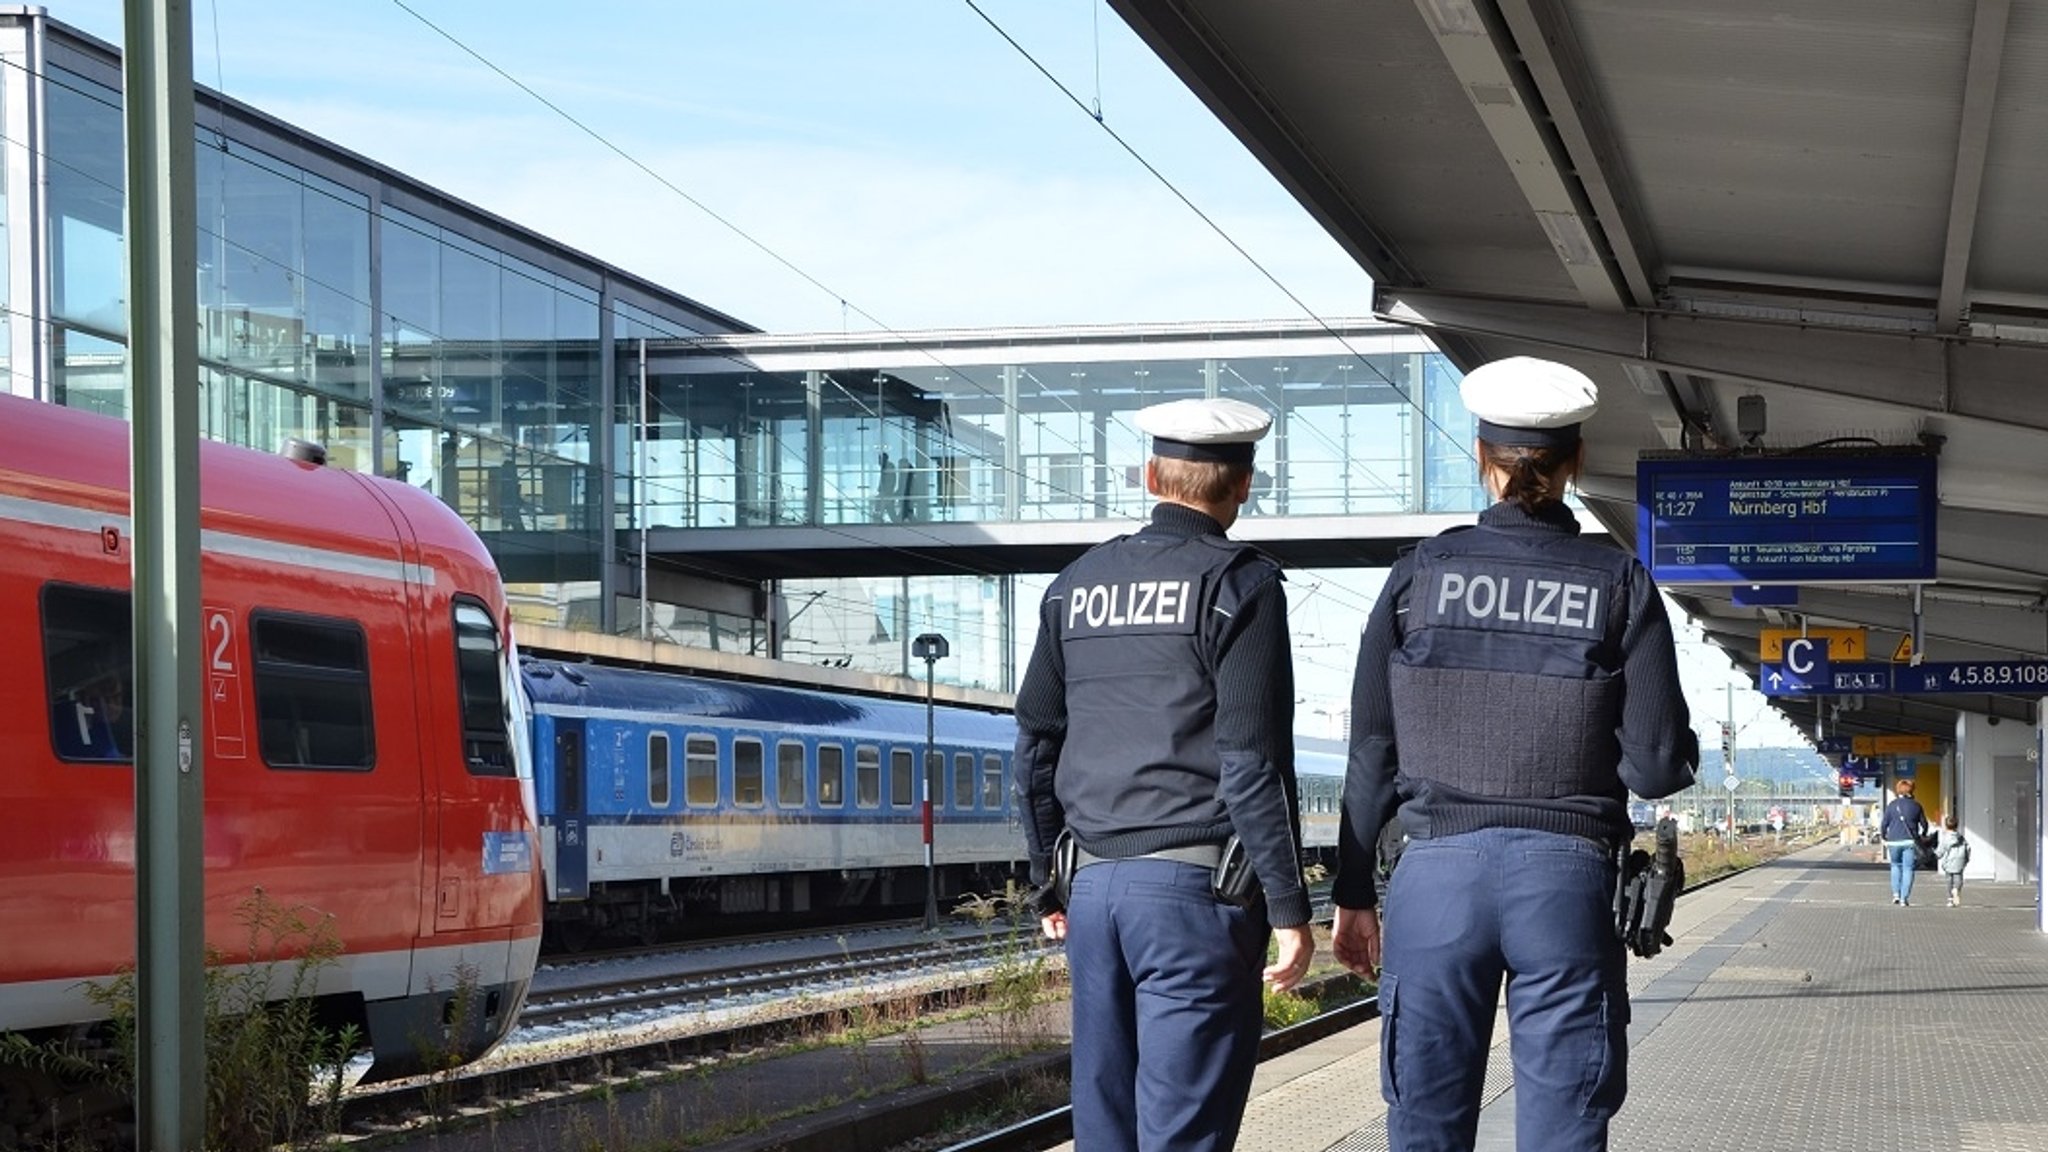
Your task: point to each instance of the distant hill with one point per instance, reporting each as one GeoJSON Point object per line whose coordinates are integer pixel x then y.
{"type": "Point", "coordinates": [1765, 764]}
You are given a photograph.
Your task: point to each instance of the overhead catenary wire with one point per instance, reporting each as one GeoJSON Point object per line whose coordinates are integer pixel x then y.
{"type": "Point", "coordinates": [1214, 226]}
{"type": "Point", "coordinates": [845, 301]}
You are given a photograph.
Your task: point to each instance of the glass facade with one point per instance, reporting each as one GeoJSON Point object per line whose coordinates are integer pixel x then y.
{"type": "Point", "coordinates": [570, 411]}
{"type": "Point", "coordinates": [339, 302]}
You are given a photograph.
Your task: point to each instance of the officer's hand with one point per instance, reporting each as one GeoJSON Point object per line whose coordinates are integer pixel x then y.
{"type": "Point", "coordinates": [1054, 926]}
{"type": "Point", "coordinates": [1355, 938]}
{"type": "Point", "coordinates": [1297, 948]}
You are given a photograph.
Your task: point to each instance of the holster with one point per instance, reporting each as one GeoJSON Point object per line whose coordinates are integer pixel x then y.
{"type": "Point", "coordinates": [1066, 857]}
{"type": "Point", "coordinates": [1235, 882]}
{"type": "Point", "coordinates": [1646, 892]}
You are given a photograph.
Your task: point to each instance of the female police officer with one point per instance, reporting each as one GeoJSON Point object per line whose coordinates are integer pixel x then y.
{"type": "Point", "coordinates": [1514, 683]}
{"type": "Point", "coordinates": [1155, 723]}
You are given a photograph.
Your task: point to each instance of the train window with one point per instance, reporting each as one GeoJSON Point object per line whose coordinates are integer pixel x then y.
{"type": "Point", "coordinates": [935, 776]}
{"type": "Point", "coordinates": [902, 775]}
{"type": "Point", "coordinates": [867, 776]}
{"type": "Point", "coordinates": [313, 695]}
{"type": "Point", "coordinates": [963, 780]}
{"type": "Point", "coordinates": [992, 783]}
{"type": "Point", "coordinates": [831, 776]}
{"type": "Point", "coordinates": [789, 774]}
{"type": "Point", "coordinates": [660, 769]}
{"type": "Point", "coordinates": [747, 785]}
{"type": "Point", "coordinates": [480, 670]}
{"type": "Point", "coordinates": [700, 771]}
{"type": "Point", "coordinates": [91, 673]}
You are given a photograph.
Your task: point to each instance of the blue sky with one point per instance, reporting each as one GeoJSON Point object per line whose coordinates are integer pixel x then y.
{"type": "Point", "coordinates": [899, 152]}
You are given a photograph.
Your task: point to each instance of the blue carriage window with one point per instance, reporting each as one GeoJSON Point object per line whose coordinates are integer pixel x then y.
{"type": "Point", "coordinates": [700, 771]}
{"type": "Point", "coordinates": [659, 769]}
{"type": "Point", "coordinates": [747, 784]}
{"type": "Point", "coordinates": [902, 771]}
{"type": "Point", "coordinates": [992, 783]}
{"type": "Point", "coordinates": [963, 780]}
{"type": "Point", "coordinates": [789, 774]}
{"type": "Point", "coordinates": [935, 776]}
{"type": "Point", "coordinates": [867, 776]}
{"type": "Point", "coordinates": [831, 776]}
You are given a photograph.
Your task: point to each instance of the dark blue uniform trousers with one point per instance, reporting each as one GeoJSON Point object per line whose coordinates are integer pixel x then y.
{"type": "Point", "coordinates": [1167, 1008]}
{"type": "Point", "coordinates": [1465, 912]}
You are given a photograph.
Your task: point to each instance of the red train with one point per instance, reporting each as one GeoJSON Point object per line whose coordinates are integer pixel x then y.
{"type": "Point", "coordinates": [363, 737]}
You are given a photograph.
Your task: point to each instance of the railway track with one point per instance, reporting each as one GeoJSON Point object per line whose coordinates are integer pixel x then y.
{"type": "Point", "coordinates": [605, 999]}
{"type": "Point", "coordinates": [826, 995]}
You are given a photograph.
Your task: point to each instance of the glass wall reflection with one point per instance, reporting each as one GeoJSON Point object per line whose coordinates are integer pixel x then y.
{"type": "Point", "coordinates": [476, 374]}
{"type": "Point", "coordinates": [1051, 440]}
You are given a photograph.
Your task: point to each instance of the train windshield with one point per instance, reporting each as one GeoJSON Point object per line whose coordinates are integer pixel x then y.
{"type": "Point", "coordinates": [494, 734]}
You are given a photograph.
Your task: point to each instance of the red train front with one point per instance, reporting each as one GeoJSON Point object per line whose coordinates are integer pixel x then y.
{"type": "Point", "coordinates": [364, 757]}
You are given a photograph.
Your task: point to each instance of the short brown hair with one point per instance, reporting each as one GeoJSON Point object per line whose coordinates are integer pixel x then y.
{"type": "Point", "coordinates": [1198, 481]}
{"type": "Point", "coordinates": [1903, 787]}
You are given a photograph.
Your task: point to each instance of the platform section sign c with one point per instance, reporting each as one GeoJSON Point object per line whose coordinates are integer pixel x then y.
{"type": "Point", "coordinates": [1802, 668]}
{"type": "Point", "coordinates": [1787, 520]}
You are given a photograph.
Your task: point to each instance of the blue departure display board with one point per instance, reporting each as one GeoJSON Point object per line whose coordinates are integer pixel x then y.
{"type": "Point", "coordinates": [1787, 520]}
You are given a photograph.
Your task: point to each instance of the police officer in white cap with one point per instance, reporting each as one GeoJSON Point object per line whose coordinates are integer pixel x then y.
{"type": "Point", "coordinates": [1155, 730]}
{"type": "Point", "coordinates": [1515, 682]}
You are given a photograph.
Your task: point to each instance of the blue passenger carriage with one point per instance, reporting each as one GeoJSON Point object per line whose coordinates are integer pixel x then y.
{"type": "Point", "coordinates": [664, 795]}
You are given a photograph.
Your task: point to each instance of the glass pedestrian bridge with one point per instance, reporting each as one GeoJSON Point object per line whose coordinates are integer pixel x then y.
{"type": "Point", "coordinates": [1010, 450]}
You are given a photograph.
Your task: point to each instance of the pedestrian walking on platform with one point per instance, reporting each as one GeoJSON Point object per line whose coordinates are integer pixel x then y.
{"type": "Point", "coordinates": [1954, 853]}
{"type": "Point", "coordinates": [1905, 825]}
{"type": "Point", "coordinates": [1155, 756]}
{"type": "Point", "coordinates": [1515, 682]}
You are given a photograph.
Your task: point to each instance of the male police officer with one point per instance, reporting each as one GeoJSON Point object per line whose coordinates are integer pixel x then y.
{"type": "Point", "coordinates": [1515, 682]}
{"type": "Point", "coordinates": [1154, 725]}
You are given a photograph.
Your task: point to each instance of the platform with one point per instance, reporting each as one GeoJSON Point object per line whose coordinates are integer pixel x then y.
{"type": "Point", "coordinates": [1798, 1008]}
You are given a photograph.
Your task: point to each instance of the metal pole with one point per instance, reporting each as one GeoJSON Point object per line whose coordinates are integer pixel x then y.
{"type": "Point", "coordinates": [640, 487]}
{"type": "Point", "coordinates": [1729, 767]}
{"type": "Point", "coordinates": [931, 887]}
{"type": "Point", "coordinates": [162, 238]}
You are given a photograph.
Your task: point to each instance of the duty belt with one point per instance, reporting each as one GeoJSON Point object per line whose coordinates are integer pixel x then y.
{"type": "Point", "coordinates": [1201, 855]}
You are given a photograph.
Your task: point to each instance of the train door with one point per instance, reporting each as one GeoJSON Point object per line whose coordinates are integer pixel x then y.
{"type": "Point", "coordinates": [572, 836]}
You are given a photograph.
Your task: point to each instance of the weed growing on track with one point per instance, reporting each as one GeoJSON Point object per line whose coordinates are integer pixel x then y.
{"type": "Point", "coordinates": [440, 1053]}
{"type": "Point", "coordinates": [1023, 977]}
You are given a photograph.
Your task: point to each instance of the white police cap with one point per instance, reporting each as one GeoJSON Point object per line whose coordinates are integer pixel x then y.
{"type": "Point", "coordinates": [1523, 402]}
{"type": "Point", "coordinates": [1222, 431]}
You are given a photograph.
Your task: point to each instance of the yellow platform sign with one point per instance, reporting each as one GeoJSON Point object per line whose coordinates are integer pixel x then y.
{"type": "Point", "coordinates": [1843, 643]}
{"type": "Point", "coordinates": [1892, 745]}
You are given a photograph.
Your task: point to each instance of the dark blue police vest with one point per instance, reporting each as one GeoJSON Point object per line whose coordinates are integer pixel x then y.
{"type": "Point", "coordinates": [1507, 682]}
{"type": "Point", "coordinates": [1138, 618]}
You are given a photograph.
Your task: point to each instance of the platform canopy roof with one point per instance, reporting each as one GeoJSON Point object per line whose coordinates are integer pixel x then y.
{"type": "Point", "coordinates": [1839, 206]}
